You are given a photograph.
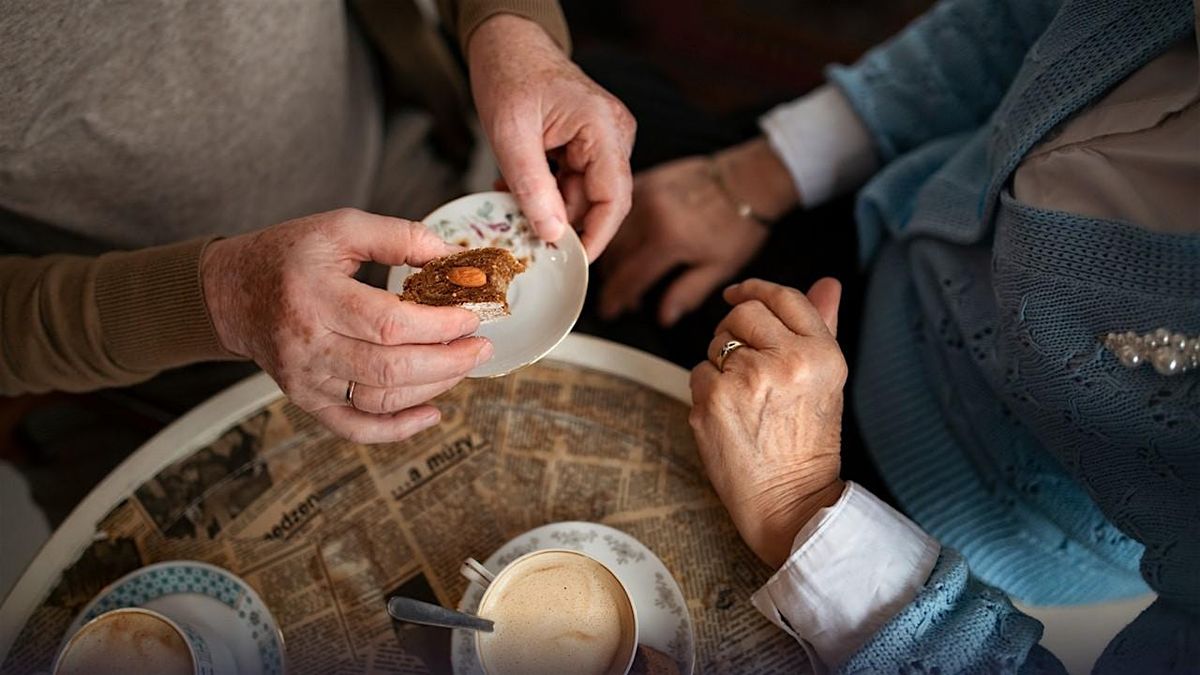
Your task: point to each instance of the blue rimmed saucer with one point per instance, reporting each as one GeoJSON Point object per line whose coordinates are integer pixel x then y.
{"type": "Point", "coordinates": [200, 594]}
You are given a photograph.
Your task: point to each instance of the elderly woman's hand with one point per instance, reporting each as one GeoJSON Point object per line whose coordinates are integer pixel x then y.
{"type": "Point", "coordinates": [684, 216]}
{"type": "Point", "coordinates": [679, 218]}
{"type": "Point", "coordinates": [769, 424]}
{"type": "Point", "coordinates": [285, 296]}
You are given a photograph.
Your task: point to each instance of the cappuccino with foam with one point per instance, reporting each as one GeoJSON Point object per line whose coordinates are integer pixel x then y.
{"type": "Point", "coordinates": [557, 612]}
{"type": "Point", "coordinates": [126, 641]}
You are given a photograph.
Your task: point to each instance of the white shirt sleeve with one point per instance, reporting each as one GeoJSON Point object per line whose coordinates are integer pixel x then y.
{"type": "Point", "coordinates": [852, 568]}
{"type": "Point", "coordinates": [823, 144]}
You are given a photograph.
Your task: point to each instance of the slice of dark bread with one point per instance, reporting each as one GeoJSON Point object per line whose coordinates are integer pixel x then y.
{"type": "Point", "coordinates": [476, 280]}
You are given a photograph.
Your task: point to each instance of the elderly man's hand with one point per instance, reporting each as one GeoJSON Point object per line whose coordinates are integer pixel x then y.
{"type": "Point", "coordinates": [533, 100]}
{"type": "Point", "coordinates": [769, 426]}
{"type": "Point", "coordinates": [286, 298]}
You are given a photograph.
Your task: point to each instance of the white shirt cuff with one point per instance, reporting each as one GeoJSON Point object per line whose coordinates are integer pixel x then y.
{"type": "Point", "coordinates": [853, 567]}
{"type": "Point", "coordinates": [823, 144]}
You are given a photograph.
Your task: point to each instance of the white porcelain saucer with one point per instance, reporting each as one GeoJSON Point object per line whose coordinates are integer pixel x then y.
{"type": "Point", "coordinates": [545, 300]}
{"type": "Point", "coordinates": [663, 621]}
{"type": "Point", "coordinates": [200, 594]}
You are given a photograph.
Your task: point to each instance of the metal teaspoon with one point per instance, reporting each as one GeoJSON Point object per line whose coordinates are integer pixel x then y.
{"type": "Point", "coordinates": [415, 611]}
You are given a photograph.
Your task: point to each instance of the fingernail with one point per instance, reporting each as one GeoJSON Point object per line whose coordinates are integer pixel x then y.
{"type": "Point", "coordinates": [730, 287]}
{"type": "Point", "coordinates": [484, 353]}
{"type": "Point", "coordinates": [670, 315]}
{"type": "Point", "coordinates": [432, 417]}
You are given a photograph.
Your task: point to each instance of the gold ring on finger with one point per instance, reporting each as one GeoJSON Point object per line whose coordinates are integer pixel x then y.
{"type": "Point", "coordinates": [727, 349]}
{"type": "Point", "coordinates": [350, 394]}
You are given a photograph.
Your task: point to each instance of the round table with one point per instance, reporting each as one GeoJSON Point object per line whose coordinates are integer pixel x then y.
{"type": "Point", "coordinates": [324, 529]}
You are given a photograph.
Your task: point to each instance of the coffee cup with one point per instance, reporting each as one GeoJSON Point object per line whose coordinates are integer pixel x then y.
{"type": "Point", "coordinates": [137, 640]}
{"type": "Point", "coordinates": [555, 611]}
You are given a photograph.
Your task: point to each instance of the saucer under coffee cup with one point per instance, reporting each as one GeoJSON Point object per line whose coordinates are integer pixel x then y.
{"type": "Point", "coordinates": [555, 611]}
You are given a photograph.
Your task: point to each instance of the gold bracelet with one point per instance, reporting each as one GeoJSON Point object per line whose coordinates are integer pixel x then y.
{"type": "Point", "coordinates": [743, 208]}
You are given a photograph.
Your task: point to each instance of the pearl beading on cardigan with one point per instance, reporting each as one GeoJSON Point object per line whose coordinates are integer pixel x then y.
{"type": "Point", "coordinates": [1169, 353]}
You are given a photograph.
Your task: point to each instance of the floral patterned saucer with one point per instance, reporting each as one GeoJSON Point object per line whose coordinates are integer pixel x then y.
{"type": "Point", "coordinates": [663, 621]}
{"type": "Point", "coordinates": [545, 300]}
{"type": "Point", "coordinates": [200, 594]}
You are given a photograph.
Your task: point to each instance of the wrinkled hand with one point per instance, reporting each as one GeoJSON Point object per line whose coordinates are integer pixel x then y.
{"type": "Point", "coordinates": [532, 99]}
{"type": "Point", "coordinates": [285, 297]}
{"type": "Point", "coordinates": [680, 217]}
{"type": "Point", "coordinates": [769, 426]}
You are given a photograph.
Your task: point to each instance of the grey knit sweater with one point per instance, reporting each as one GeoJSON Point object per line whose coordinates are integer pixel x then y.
{"type": "Point", "coordinates": [148, 122]}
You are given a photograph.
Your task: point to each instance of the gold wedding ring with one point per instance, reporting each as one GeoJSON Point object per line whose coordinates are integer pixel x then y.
{"type": "Point", "coordinates": [727, 349]}
{"type": "Point", "coordinates": [350, 394]}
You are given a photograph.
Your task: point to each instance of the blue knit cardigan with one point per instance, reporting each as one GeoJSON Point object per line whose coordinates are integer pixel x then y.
{"type": "Point", "coordinates": [996, 417]}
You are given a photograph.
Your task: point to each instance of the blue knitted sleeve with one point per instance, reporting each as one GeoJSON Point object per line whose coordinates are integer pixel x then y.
{"type": "Point", "coordinates": [944, 73]}
{"type": "Point", "coordinates": [956, 624]}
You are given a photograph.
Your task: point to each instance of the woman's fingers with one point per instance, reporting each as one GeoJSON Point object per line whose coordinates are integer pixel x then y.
{"type": "Point", "coordinates": [791, 306]}
{"type": "Point", "coordinates": [718, 343]}
{"type": "Point", "coordinates": [633, 276]}
{"type": "Point", "coordinates": [755, 324]}
{"type": "Point", "coordinates": [826, 296]}
{"type": "Point", "coordinates": [703, 379]}
{"type": "Point", "coordinates": [689, 290]}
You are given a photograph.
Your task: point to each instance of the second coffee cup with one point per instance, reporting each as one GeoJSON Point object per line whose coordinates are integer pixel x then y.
{"type": "Point", "coordinates": [555, 611]}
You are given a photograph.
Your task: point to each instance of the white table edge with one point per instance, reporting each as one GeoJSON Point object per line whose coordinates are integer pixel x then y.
{"type": "Point", "coordinates": [207, 421]}
{"type": "Point", "coordinates": [193, 430]}
{"type": "Point", "coordinates": [203, 424]}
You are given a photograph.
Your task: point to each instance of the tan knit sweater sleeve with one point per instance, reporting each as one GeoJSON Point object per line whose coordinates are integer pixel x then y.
{"type": "Point", "coordinates": [466, 15]}
{"type": "Point", "coordinates": [73, 323]}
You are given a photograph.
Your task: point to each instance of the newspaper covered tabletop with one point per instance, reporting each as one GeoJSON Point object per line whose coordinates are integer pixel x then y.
{"type": "Point", "coordinates": [325, 529]}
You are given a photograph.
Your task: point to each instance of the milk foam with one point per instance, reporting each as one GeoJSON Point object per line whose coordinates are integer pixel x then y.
{"type": "Point", "coordinates": [558, 613]}
{"type": "Point", "coordinates": [127, 643]}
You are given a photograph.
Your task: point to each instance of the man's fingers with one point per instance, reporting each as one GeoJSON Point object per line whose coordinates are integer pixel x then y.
{"type": "Point", "coordinates": [600, 223]}
{"type": "Point", "coordinates": [826, 296]}
{"type": "Point", "coordinates": [379, 400]}
{"type": "Point", "coordinates": [360, 427]}
{"type": "Point", "coordinates": [608, 184]}
{"type": "Point", "coordinates": [374, 315]}
{"type": "Point", "coordinates": [404, 365]}
{"type": "Point", "coordinates": [522, 158]}
{"type": "Point", "coordinates": [688, 291]}
{"type": "Point", "coordinates": [791, 306]}
{"type": "Point", "coordinates": [755, 324]}
{"type": "Point", "coordinates": [633, 277]}
{"type": "Point", "coordinates": [570, 184]}
{"type": "Point", "coordinates": [391, 241]}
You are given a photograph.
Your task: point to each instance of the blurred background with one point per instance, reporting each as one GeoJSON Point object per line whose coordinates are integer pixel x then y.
{"type": "Point", "coordinates": [733, 56]}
